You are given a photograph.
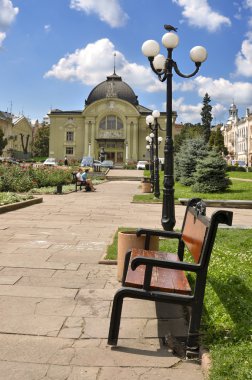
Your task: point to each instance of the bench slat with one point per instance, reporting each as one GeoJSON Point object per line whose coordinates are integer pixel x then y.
{"type": "Point", "coordinates": [163, 279]}
{"type": "Point", "coordinates": [193, 235]}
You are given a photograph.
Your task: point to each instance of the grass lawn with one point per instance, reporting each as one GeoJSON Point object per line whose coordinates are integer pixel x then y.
{"type": "Point", "coordinates": [227, 316]}
{"type": "Point", "coordinates": [243, 175]}
{"type": "Point", "coordinates": [8, 198]}
{"type": "Point", "coordinates": [239, 190]}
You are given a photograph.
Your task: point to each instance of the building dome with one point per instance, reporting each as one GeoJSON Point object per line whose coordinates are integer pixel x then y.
{"type": "Point", "coordinates": [113, 87]}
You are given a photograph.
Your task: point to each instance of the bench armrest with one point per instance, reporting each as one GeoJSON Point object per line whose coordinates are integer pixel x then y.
{"type": "Point", "coordinates": [161, 233]}
{"type": "Point", "coordinates": [178, 265]}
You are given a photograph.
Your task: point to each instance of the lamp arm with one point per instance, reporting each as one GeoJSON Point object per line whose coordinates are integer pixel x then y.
{"type": "Point", "coordinates": [152, 128]}
{"type": "Point", "coordinates": [162, 76]}
{"type": "Point", "coordinates": [175, 66]}
{"type": "Point", "coordinates": [161, 129]}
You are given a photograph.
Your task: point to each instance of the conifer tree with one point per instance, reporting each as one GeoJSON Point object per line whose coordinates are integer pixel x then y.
{"type": "Point", "coordinates": [191, 151]}
{"type": "Point", "coordinates": [206, 117]}
{"type": "Point", "coordinates": [210, 175]}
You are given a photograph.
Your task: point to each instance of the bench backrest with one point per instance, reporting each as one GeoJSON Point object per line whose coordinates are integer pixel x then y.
{"type": "Point", "coordinates": [198, 231]}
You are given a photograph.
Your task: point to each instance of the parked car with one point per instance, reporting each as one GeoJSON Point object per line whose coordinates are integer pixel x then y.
{"type": "Point", "coordinates": [107, 164]}
{"type": "Point", "coordinates": [50, 162]}
{"type": "Point", "coordinates": [87, 161]}
{"type": "Point", "coordinates": [141, 165]}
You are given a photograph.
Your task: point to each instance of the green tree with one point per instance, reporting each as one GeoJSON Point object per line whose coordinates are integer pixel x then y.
{"type": "Point", "coordinates": [40, 146]}
{"type": "Point", "coordinates": [3, 142]}
{"type": "Point", "coordinates": [188, 131]}
{"type": "Point", "coordinates": [206, 117]}
{"type": "Point", "coordinates": [210, 175]}
{"type": "Point", "coordinates": [217, 141]}
{"type": "Point", "coordinates": [191, 151]}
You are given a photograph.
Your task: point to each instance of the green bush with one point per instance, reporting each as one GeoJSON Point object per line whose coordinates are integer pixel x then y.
{"type": "Point", "coordinates": [211, 175]}
{"type": "Point", "coordinates": [18, 179]}
{"type": "Point", "coordinates": [232, 168]}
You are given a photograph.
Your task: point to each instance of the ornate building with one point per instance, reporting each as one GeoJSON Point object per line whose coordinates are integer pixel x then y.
{"type": "Point", "coordinates": [112, 120]}
{"type": "Point", "coordinates": [238, 136]}
{"type": "Point", "coordinates": [18, 131]}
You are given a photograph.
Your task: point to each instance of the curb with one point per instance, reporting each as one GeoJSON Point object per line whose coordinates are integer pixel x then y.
{"type": "Point", "coordinates": [205, 363]}
{"type": "Point", "coordinates": [106, 262]}
{"type": "Point", "coordinates": [18, 205]}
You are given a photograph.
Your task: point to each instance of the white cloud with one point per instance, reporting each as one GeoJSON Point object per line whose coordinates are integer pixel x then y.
{"type": "Point", "coordinates": [187, 113]}
{"type": "Point", "coordinates": [243, 59]}
{"type": "Point", "coordinates": [224, 91]}
{"type": "Point", "coordinates": [7, 17]}
{"type": "Point", "coordinates": [47, 28]}
{"type": "Point", "coordinates": [107, 11]}
{"type": "Point", "coordinates": [248, 3]}
{"type": "Point", "coordinates": [93, 63]}
{"type": "Point", "coordinates": [199, 14]}
{"type": "Point", "coordinates": [2, 37]}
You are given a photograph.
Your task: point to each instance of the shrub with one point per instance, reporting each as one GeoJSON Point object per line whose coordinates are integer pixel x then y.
{"type": "Point", "coordinates": [210, 175]}
{"type": "Point", "coordinates": [18, 179]}
{"type": "Point", "coordinates": [190, 153]}
{"type": "Point", "coordinates": [232, 168]}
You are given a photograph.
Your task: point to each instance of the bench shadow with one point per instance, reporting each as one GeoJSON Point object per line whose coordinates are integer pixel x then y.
{"type": "Point", "coordinates": [236, 298]}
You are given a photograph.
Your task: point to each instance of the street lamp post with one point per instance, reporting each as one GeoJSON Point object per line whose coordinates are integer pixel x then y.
{"type": "Point", "coordinates": [152, 122]}
{"type": "Point", "coordinates": [163, 66]}
{"type": "Point", "coordinates": [150, 148]}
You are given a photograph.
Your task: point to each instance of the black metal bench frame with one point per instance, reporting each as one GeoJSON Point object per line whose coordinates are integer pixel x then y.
{"type": "Point", "coordinates": [80, 184]}
{"type": "Point", "coordinates": [195, 300]}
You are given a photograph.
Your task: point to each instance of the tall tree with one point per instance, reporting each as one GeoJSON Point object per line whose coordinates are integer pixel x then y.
{"type": "Point", "coordinates": [3, 142]}
{"type": "Point", "coordinates": [206, 117]}
{"type": "Point", "coordinates": [41, 142]}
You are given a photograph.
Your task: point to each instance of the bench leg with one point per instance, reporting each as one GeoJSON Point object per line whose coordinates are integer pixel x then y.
{"type": "Point", "coordinates": [192, 349]}
{"type": "Point", "coordinates": [116, 317]}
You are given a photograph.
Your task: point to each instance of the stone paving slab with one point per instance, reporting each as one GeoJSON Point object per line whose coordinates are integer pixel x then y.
{"type": "Point", "coordinates": [55, 299]}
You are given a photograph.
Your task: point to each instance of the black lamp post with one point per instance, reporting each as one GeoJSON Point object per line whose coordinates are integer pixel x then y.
{"type": "Point", "coordinates": [150, 148]}
{"type": "Point", "coordinates": [152, 122]}
{"type": "Point", "coordinates": [163, 66]}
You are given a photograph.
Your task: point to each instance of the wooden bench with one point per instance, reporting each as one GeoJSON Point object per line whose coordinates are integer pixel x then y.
{"type": "Point", "coordinates": [80, 184]}
{"type": "Point", "coordinates": [160, 276]}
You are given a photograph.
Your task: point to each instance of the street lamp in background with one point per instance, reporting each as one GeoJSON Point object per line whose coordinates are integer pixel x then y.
{"type": "Point", "coordinates": [152, 122]}
{"type": "Point", "coordinates": [150, 148]}
{"type": "Point", "coordinates": [162, 66]}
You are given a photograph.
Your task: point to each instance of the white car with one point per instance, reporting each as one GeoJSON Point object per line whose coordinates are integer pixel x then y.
{"type": "Point", "coordinates": [50, 162]}
{"type": "Point", "coordinates": [141, 165]}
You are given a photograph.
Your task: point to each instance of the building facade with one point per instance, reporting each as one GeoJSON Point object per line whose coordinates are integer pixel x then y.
{"type": "Point", "coordinates": [237, 134]}
{"type": "Point", "coordinates": [18, 131]}
{"type": "Point", "coordinates": [112, 121]}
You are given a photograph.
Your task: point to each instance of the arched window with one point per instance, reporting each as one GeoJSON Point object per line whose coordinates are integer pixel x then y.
{"type": "Point", "coordinates": [111, 122]}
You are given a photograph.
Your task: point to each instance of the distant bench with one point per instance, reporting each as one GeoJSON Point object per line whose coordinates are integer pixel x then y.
{"type": "Point", "coordinates": [80, 184]}
{"type": "Point", "coordinates": [160, 276]}
{"type": "Point", "coordinates": [229, 203]}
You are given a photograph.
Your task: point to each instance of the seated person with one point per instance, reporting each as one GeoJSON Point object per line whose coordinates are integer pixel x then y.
{"type": "Point", "coordinates": [82, 177]}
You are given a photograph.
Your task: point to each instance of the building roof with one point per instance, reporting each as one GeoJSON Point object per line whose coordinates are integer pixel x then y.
{"type": "Point", "coordinates": [113, 87]}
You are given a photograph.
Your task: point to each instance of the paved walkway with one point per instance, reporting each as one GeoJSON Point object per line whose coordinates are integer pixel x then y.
{"type": "Point", "coordinates": [55, 298]}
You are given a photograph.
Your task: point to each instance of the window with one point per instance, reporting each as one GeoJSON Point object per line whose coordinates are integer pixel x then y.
{"type": "Point", "coordinates": [111, 122]}
{"type": "Point", "coordinates": [70, 136]}
{"type": "Point", "coordinates": [69, 150]}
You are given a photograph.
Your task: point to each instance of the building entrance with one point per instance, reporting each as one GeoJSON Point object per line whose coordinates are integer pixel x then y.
{"type": "Point", "coordinates": [116, 157]}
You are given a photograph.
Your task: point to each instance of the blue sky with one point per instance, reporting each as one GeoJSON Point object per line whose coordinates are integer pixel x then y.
{"type": "Point", "coordinates": [53, 52]}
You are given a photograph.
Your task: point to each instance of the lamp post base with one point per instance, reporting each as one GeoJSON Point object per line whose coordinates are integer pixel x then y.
{"type": "Point", "coordinates": [168, 213]}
